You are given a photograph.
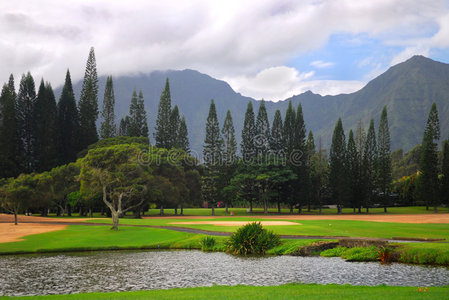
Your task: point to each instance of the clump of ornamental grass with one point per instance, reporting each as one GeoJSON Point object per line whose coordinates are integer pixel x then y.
{"type": "Point", "coordinates": [252, 239]}
{"type": "Point", "coordinates": [207, 243]}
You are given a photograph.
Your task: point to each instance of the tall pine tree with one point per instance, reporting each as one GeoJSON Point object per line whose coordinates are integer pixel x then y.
{"type": "Point", "coordinates": [289, 130]}
{"type": "Point", "coordinates": [212, 155]}
{"type": "Point", "coordinates": [68, 123]}
{"type": "Point", "coordinates": [384, 168]}
{"type": "Point", "coordinates": [108, 129]}
{"type": "Point", "coordinates": [183, 137]}
{"type": "Point", "coordinates": [299, 158]}
{"type": "Point", "coordinates": [248, 132]}
{"type": "Point", "coordinates": [162, 133]}
{"type": "Point", "coordinates": [229, 143]}
{"type": "Point", "coordinates": [262, 131]}
{"type": "Point", "coordinates": [277, 140]}
{"type": "Point", "coordinates": [428, 179]}
{"type": "Point", "coordinates": [353, 171]}
{"type": "Point", "coordinates": [444, 188]}
{"type": "Point", "coordinates": [88, 104]}
{"type": "Point", "coordinates": [337, 157]}
{"type": "Point", "coordinates": [175, 123]}
{"type": "Point", "coordinates": [9, 141]}
{"type": "Point", "coordinates": [360, 140]}
{"type": "Point", "coordinates": [136, 123]}
{"type": "Point", "coordinates": [370, 165]}
{"type": "Point", "coordinates": [45, 129]}
{"type": "Point", "coordinates": [26, 100]}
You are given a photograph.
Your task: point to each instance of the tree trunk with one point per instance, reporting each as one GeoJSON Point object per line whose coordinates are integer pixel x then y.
{"type": "Point", "coordinates": [427, 206]}
{"type": "Point", "coordinates": [435, 209]}
{"type": "Point", "coordinates": [69, 210]}
{"type": "Point", "coordinates": [58, 211]}
{"type": "Point", "coordinates": [291, 209]}
{"type": "Point", "coordinates": [176, 211]}
{"type": "Point", "coordinates": [300, 209]}
{"type": "Point", "coordinates": [265, 207]}
{"type": "Point", "coordinates": [115, 220]}
{"type": "Point", "coordinates": [251, 206]}
{"type": "Point", "coordinates": [162, 210]}
{"type": "Point", "coordinates": [81, 212]}
{"type": "Point", "coordinates": [339, 209]}
{"type": "Point", "coordinates": [279, 207]}
{"type": "Point", "coordinates": [213, 210]}
{"type": "Point", "coordinates": [90, 212]}
{"type": "Point", "coordinates": [226, 207]}
{"type": "Point", "coordinates": [360, 209]}
{"type": "Point", "coordinates": [182, 210]}
{"type": "Point", "coordinates": [15, 217]}
{"type": "Point", "coordinates": [353, 211]}
{"type": "Point", "coordinates": [102, 211]}
{"type": "Point", "coordinates": [367, 210]}
{"type": "Point", "coordinates": [385, 209]}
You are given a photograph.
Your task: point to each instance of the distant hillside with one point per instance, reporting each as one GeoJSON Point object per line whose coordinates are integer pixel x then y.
{"type": "Point", "coordinates": [408, 89]}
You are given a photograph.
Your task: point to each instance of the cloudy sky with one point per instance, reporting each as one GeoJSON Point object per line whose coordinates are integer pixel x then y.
{"type": "Point", "coordinates": [268, 49]}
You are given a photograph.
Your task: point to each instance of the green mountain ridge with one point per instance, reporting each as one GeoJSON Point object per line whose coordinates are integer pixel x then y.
{"type": "Point", "coordinates": [407, 89]}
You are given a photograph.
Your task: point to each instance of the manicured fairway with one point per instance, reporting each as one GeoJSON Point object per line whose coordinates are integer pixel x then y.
{"type": "Point", "coordinates": [289, 291]}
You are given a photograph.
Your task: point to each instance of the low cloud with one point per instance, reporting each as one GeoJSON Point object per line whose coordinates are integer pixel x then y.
{"type": "Point", "coordinates": [321, 64]}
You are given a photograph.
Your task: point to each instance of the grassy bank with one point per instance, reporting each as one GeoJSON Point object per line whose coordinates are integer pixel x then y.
{"type": "Point", "coordinates": [289, 291]}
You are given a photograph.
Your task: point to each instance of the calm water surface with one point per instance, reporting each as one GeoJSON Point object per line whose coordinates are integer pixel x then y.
{"type": "Point", "coordinates": [127, 271]}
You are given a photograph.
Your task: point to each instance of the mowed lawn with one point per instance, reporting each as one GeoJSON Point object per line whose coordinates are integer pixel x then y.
{"type": "Point", "coordinates": [289, 291]}
{"type": "Point", "coordinates": [312, 227]}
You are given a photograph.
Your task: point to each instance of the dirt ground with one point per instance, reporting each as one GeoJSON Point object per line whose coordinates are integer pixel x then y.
{"type": "Point", "coordinates": [31, 219]}
{"type": "Point", "coordinates": [14, 233]}
{"type": "Point", "coordinates": [235, 223]}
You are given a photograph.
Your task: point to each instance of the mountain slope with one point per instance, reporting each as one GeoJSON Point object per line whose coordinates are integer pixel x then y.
{"type": "Point", "coordinates": [408, 89]}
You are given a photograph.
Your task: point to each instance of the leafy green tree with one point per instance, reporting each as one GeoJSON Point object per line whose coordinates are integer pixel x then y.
{"type": "Point", "coordinates": [68, 123]}
{"type": "Point", "coordinates": [337, 157]}
{"type": "Point", "coordinates": [384, 176]}
{"type": "Point", "coordinates": [248, 132]}
{"type": "Point", "coordinates": [428, 179]}
{"type": "Point", "coordinates": [370, 165]}
{"type": "Point", "coordinates": [118, 175]}
{"type": "Point", "coordinates": [15, 195]}
{"type": "Point", "coordinates": [64, 182]}
{"type": "Point", "coordinates": [277, 140]}
{"type": "Point", "coordinates": [9, 141]}
{"type": "Point", "coordinates": [183, 137]}
{"type": "Point", "coordinates": [26, 101]}
{"type": "Point", "coordinates": [262, 131]}
{"type": "Point", "coordinates": [45, 129]}
{"type": "Point", "coordinates": [88, 104]}
{"type": "Point", "coordinates": [444, 188]}
{"type": "Point", "coordinates": [175, 123]}
{"type": "Point", "coordinates": [162, 134]}
{"type": "Point", "coordinates": [212, 155]}
{"type": "Point", "coordinates": [229, 158]}
{"type": "Point", "coordinates": [107, 129]}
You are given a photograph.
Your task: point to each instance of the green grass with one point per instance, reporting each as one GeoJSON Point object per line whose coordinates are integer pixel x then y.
{"type": "Point", "coordinates": [353, 254]}
{"type": "Point", "coordinates": [288, 291]}
{"type": "Point", "coordinates": [425, 253]}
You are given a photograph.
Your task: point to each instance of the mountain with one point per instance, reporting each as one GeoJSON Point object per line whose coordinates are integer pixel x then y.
{"type": "Point", "coordinates": [407, 89]}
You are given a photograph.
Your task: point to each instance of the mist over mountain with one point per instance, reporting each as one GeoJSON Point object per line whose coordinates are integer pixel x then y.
{"type": "Point", "coordinates": [407, 89]}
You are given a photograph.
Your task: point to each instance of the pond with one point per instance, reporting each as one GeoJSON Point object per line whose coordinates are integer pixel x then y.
{"type": "Point", "coordinates": [142, 270]}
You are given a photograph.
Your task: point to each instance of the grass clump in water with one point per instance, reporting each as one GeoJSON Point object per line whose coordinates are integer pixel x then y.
{"type": "Point", "coordinates": [207, 243]}
{"type": "Point", "coordinates": [353, 254]}
{"type": "Point", "coordinates": [252, 239]}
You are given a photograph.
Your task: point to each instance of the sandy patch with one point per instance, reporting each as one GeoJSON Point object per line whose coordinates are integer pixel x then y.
{"type": "Point", "coordinates": [236, 223]}
{"type": "Point", "coordinates": [14, 233]}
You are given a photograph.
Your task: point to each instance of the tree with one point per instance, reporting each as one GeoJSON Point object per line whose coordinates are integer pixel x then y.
{"type": "Point", "coordinates": [9, 141]}
{"type": "Point", "coordinates": [212, 154]}
{"type": "Point", "coordinates": [248, 133]}
{"type": "Point", "coordinates": [353, 170]}
{"type": "Point", "coordinates": [428, 179]}
{"type": "Point", "coordinates": [45, 129]}
{"type": "Point", "coordinates": [88, 104]}
{"type": "Point", "coordinates": [124, 126]}
{"type": "Point", "coordinates": [15, 194]}
{"type": "Point", "coordinates": [277, 140]}
{"type": "Point", "coordinates": [298, 157]}
{"type": "Point", "coordinates": [229, 157]}
{"type": "Point", "coordinates": [337, 156]}
{"type": "Point", "coordinates": [175, 123]}
{"type": "Point", "coordinates": [116, 173]}
{"type": "Point", "coordinates": [107, 129]}
{"type": "Point", "coordinates": [360, 141]}
{"type": "Point", "coordinates": [319, 175]}
{"type": "Point", "coordinates": [183, 137]}
{"type": "Point", "coordinates": [289, 130]}
{"type": "Point", "coordinates": [68, 123]}
{"type": "Point", "coordinates": [26, 100]}
{"type": "Point", "coordinates": [370, 165]}
{"type": "Point", "coordinates": [137, 120]}
{"type": "Point", "coordinates": [64, 180]}
{"type": "Point", "coordinates": [384, 175]}
{"type": "Point", "coordinates": [444, 188]}
{"type": "Point", "coordinates": [262, 131]}
{"type": "Point", "coordinates": [162, 133]}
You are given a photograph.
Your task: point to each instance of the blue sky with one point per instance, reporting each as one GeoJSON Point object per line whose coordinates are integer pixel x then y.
{"type": "Point", "coordinates": [269, 49]}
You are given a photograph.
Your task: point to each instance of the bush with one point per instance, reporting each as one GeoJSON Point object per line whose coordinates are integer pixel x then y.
{"type": "Point", "coordinates": [207, 243]}
{"type": "Point", "coordinates": [252, 239]}
{"type": "Point", "coordinates": [361, 254]}
{"type": "Point", "coordinates": [334, 252]}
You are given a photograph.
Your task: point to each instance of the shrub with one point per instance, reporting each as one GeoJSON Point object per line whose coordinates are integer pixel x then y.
{"type": "Point", "coordinates": [385, 255]}
{"type": "Point", "coordinates": [207, 243]}
{"type": "Point", "coordinates": [252, 239]}
{"type": "Point", "coordinates": [361, 254]}
{"type": "Point", "coordinates": [335, 252]}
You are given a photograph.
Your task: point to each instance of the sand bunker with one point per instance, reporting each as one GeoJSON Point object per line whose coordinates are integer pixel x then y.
{"type": "Point", "coordinates": [236, 223]}
{"type": "Point", "coordinates": [14, 233]}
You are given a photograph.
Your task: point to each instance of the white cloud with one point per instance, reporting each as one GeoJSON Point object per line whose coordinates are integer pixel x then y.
{"type": "Point", "coordinates": [278, 83]}
{"type": "Point", "coordinates": [321, 64]}
{"type": "Point", "coordinates": [226, 39]}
